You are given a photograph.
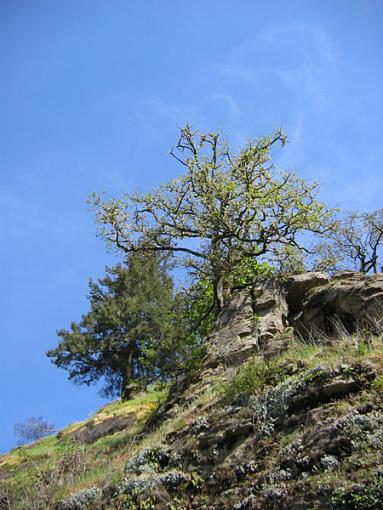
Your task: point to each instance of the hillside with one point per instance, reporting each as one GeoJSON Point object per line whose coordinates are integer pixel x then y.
{"type": "Point", "coordinates": [285, 413]}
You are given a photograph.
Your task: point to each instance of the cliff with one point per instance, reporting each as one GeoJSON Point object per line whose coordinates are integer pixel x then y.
{"type": "Point", "coordinates": [284, 413]}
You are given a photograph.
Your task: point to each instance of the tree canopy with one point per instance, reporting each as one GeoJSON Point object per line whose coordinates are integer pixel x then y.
{"type": "Point", "coordinates": [225, 208]}
{"type": "Point", "coordinates": [357, 241]}
{"type": "Point", "coordinates": [33, 429]}
{"type": "Point", "coordinates": [134, 332]}
{"type": "Point", "coordinates": [354, 243]}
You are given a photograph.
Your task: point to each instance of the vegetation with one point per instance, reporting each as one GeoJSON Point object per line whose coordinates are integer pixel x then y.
{"type": "Point", "coordinates": [226, 208]}
{"type": "Point", "coordinates": [37, 475]}
{"type": "Point", "coordinates": [198, 299]}
{"type": "Point", "coordinates": [33, 429]}
{"type": "Point", "coordinates": [133, 334]}
{"type": "Point", "coordinates": [254, 375]}
{"type": "Point", "coordinates": [353, 243]}
{"type": "Point", "coordinates": [229, 219]}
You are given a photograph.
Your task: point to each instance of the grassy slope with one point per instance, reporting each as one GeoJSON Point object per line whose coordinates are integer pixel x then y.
{"type": "Point", "coordinates": [55, 466]}
{"type": "Point", "coordinates": [37, 475]}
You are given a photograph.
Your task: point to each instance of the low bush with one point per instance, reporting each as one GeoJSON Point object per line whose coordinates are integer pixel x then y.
{"type": "Point", "coordinates": [254, 375]}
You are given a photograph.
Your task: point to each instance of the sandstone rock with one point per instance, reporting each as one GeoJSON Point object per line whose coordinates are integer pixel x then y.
{"type": "Point", "coordinates": [255, 320]}
{"type": "Point", "coordinates": [350, 301]}
{"type": "Point", "coordinates": [340, 387]}
{"type": "Point", "coordinates": [233, 337]}
{"type": "Point", "coordinates": [297, 287]}
{"type": "Point", "coordinates": [247, 324]}
{"type": "Point", "coordinates": [270, 313]}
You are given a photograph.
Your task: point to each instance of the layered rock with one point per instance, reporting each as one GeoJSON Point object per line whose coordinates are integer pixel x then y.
{"type": "Point", "coordinates": [350, 301]}
{"type": "Point", "coordinates": [273, 451]}
{"type": "Point", "coordinates": [262, 319]}
{"type": "Point", "coordinates": [259, 319]}
{"type": "Point", "coordinates": [252, 319]}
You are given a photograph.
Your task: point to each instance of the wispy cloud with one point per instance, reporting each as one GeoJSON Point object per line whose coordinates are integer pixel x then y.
{"type": "Point", "coordinates": [301, 58]}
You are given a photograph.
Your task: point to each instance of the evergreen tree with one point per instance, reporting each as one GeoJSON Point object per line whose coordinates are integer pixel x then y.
{"type": "Point", "coordinates": [132, 334]}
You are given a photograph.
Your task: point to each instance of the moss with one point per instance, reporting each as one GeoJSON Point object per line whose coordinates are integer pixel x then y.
{"type": "Point", "coordinates": [142, 405]}
{"type": "Point", "coordinates": [289, 437]}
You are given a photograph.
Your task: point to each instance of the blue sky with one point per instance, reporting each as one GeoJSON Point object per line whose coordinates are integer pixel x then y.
{"type": "Point", "coordinates": [91, 95]}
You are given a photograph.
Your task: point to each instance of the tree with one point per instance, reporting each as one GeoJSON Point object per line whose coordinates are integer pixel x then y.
{"type": "Point", "coordinates": [33, 429]}
{"type": "Point", "coordinates": [224, 209]}
{"type": "Point", "coordinates": [355, 242]}
{"type": "Point", "coordinates": [359, 237]}
{"type": "Point", "coordinates": [132, 333]}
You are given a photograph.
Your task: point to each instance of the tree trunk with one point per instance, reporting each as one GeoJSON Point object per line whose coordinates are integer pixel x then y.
{"type": "Point", "coordinates": [126, 383]}
{"type": "Point", "coordinates": [219, 293]}
{"type": "Point", "coordinates": [217, 272]}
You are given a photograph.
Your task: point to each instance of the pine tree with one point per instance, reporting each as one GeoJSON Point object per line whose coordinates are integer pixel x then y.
{"type": "Point", "coordinates": [131, 335]}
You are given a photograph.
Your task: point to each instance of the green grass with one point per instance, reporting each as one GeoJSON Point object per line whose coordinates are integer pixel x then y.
{"type": "Point", "coordinates": [254, 375]}
{"type": "Point", "coordinates": [57, 466]}
{"type": "Point", "coordinates": [348, 348]}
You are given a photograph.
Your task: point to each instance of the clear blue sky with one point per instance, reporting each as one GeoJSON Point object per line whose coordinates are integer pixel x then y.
{"type": "Point", "coordinates": [91, 93]}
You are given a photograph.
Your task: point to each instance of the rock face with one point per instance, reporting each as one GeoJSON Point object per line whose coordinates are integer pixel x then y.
{"type": "Point", "coordinates": [261, 320]}
{"type": "Point", "coordinates": [257, 319]}
{"type": "Point", "coordinates": [247, 325]}
{"type": "Point", "coordinates": [93, 431]}
{"type": "Point", "coordinates": [234, 337]}
{"type": "Point", "coordinates": [349, 301]}
{"type": "Point", "coordinates": [298, 286]}
{"type": "Point", "coordinates": [276, 450]}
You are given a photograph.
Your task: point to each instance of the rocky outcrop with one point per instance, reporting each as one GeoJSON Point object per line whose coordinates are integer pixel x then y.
{"type": "Point", "coordinates": [259, 320]}
{"type": "Point", "coordinates": [350, 301]}
{"type": "Point", "coordinates": [271, 450]}
{"type": "Point", "coordinates": [253, 323]}
{"type": "Point", "coordinates": [277, 447]}
{"type": "Point", "coordinates": [93, 430]}
{"type": "Point", "coordinates": [246, 326]}
{"type": "Point", "coordinates": [300, 431]}
{"type": "Point", "coordinates": [297, 287]}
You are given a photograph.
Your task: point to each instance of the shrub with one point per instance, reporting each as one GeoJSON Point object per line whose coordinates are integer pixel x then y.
{"type": "Point", "coordinates": [252, 376]}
